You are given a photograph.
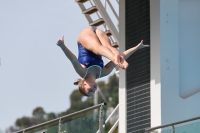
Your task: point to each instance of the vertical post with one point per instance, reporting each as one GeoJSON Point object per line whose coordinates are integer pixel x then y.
{"type": "Point", "coordinates": [101, 120]}
{"type": "Point", "coordinates": [96, 97]}
{"type": "Point", "coordinates": [122, 73]}
{"type": "Point", "coordinates": [59, 126]}
{"type": "Point", "coordinates": [155, 63]}
{"type": "Point", "coordinates": [95, 103]}
{"type": "Point", "coordinates": [173, 129]}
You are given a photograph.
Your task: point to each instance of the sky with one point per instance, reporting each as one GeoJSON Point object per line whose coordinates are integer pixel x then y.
{"type": "Point", "coordinates": [33, 70]}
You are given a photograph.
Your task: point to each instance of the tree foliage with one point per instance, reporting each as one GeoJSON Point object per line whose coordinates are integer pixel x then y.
{"type": "Point", "coordinates": [38, 113]}
{"type": "Point", "coordinates": [38, 116]}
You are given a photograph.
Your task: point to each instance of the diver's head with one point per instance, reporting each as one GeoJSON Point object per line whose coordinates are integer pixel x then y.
{"type": "Point", "coordinates": [86, 88]}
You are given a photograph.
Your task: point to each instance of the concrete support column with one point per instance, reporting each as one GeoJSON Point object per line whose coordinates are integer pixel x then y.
{"type": "Point", "coordinates": [122, 73]}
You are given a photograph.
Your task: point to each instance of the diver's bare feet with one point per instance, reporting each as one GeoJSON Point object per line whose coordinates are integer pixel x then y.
{"type": "Point", "coordinates": [120, 61]}
{"type": "Point", "coordinates": [123, 61]}
{"type": "Point", "coordinates": [116, 60]}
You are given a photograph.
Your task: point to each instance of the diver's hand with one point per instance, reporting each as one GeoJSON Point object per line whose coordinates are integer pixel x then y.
{"type": "Point", "coordinates": [61, 42]}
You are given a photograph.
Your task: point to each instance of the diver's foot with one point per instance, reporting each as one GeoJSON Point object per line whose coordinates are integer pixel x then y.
{"type": "Point", "coordinates": [123, 62]}
{"type": "Point", "coordinates": [116, 60]}
{"type": "Point", "coordinates": [120, 62]}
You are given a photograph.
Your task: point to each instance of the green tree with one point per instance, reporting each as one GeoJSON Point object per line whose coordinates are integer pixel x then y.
{"type": "Point", "coordinates": [110, 90]}
{"type": "Point", "coordinates": [24, 122]}
{"type": "Point", "coordinates": [38, 113]}
{"type": "Point", "coordinates": [38, 117]}
{"type": "Point", "coordinates": [51, 116]}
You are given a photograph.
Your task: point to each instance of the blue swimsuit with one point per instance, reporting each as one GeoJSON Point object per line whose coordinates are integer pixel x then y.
{"type": "Point", "coordinates": [89, 58]}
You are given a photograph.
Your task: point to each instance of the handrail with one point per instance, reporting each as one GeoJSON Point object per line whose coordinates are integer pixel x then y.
{"type": "Point", "coordinates": [63, 117]}
{"type": "Point", "coordinates": [116, 123]}
{"type": "Point", "coordinates": [113, 10]}
{"type": "Point", "coordinates": [112, 113]}
{"type": "Point", "coordinates": [107, 19]}
{"type": "Point", "coordinates": [172, 124]}
{"type": "Point", "coordinates": [114, 126]}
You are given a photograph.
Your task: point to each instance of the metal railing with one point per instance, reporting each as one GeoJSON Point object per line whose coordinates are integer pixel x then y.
{"type": "Point", "coordinates": [107, 18]}
{"type": "Point", "coordinates": [153, 129]}
{"type": "Point", "coordinates": [115, 124]}
{"type": "Point", "coordinates": [112, 8]}
{"type": "Point", "coordinates": [69, 116]}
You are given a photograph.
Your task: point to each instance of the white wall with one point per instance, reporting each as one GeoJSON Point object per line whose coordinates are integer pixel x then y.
{"type": "Point", "coordinates": [179, 73]}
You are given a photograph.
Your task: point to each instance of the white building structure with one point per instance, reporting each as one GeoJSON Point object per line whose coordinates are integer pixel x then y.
{"type": "Point", "coordinates": [174, 81]}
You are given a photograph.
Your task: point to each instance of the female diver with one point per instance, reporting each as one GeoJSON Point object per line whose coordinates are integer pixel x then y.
{"type": "Point", "coordinates": [92, 45]}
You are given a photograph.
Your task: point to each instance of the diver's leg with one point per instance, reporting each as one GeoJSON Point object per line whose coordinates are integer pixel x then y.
{"type": "Point", "coordinates": [90, 41]}
{"type": "Point", "coordinates": [105, 41]}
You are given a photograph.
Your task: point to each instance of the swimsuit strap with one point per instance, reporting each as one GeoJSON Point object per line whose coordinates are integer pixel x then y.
{"type": "Point", "coordinates": [92, 66]}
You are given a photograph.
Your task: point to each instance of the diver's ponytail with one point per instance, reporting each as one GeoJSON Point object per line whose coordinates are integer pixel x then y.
{"type": "Point", "coordinates": [81, 89]}
{"type": "Point", "coordinates": [78, 81]}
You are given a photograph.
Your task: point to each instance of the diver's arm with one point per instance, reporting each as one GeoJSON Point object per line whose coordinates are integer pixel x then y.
{"type": "Point", "coordinates": [73, 59]}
